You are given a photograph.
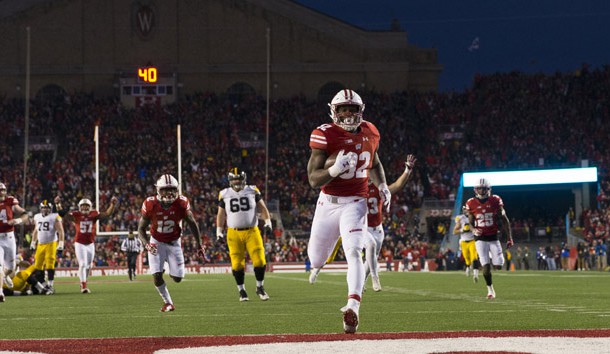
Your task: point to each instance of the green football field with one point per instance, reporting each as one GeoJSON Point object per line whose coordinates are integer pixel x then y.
{"type": "Point", "coordinates": [209, 305]}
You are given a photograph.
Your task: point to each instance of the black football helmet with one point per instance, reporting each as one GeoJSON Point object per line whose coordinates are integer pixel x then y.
{"type": "Point", "coordinates": [45, 207]}
{"type": "Point", "coordinates": [237, 179]}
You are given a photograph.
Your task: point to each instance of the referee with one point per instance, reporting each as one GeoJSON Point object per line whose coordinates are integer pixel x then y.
{"type": "Point", "coordinates": [133, 246]}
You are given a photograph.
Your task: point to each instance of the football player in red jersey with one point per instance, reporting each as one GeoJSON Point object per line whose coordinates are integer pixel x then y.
{"type": "Point", "coordinates": [84, 220]}
{"type": "Point", "coordinates": [372, 245]}
{"type": "Point", "coordinates": [342, 207]}
{"type": "Point", "coordinates": [164, 212]}
{"type": "Point", "coordinates": [9, 209]}
{"type": "Point", "coordinates": [486, 212]}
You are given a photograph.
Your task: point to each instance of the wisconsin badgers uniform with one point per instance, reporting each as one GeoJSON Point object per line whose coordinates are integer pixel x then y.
{"type": "Point", "coordinates": [341, 209]}
{"type": "Point", "coordinates": [165, 233]}
{"type": "Point", "coordinates": [364, 143]}
{"type": "Point", "coordinates": [242, 226]}
{"type": "Point", "coordinates": [85, 226]}
{"type": "Point", "coordinates": [84, 241]}
{"type": "Point", "coordinates": [8, 247]}
{"type": "Point", "coordinates": [485, 215]}
{"type": "Point", "coordinates": [374, 216]}
{"type": "Point", "coordinates": [375, 229]}
{"type": "Point", "coordinates": [6, 213]}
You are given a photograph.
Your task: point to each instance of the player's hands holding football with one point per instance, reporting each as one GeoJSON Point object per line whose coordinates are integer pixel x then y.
{"type": "Point", "coordinates": [386, 196]}
{"type": "Point", "coordinates": [151, 248]}
{"type": "Point", "coordinates": [343, 162]}
{"type": "Point", "coordinates": [219, 233]}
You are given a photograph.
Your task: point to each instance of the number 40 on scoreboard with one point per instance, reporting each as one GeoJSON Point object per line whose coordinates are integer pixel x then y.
{"type": "Point", "coordinates": [148, 74]}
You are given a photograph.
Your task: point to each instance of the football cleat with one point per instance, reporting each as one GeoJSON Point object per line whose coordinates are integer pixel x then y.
{"type": "Point", "coordinates": [350, 320]}
{"type": "Point", "coordinates": [313, 275]}
{"type": "Point", "coordinates": [167, 307]}
{"type": "Point", "coordinates": [475, 278]}
{"type": "Point", "coordinates": [85, 291]}
{"type": "Point", "coordinates": [243, 295]}
{"type": "Point", "coordinates": [260, 291]}
{"type": "Point", "coordinates": [49, 290]}
{"type": "Point", "coordinates": [1, 297]}
{"type": "Point", "coordinates": [376, 284]}
{"type": "Point", "coordinates": [491, 295]}
{"type": "Point", "coordinates": [8, 281]}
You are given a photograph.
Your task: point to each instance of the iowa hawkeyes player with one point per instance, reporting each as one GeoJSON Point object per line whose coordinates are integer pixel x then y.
{"type": "Point", "coordinates": [237, 207]}
{"type": "Point", "coordinates": [47, 239]}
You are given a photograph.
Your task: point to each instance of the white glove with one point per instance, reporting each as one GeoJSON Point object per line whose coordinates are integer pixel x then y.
{"type": "Point", "coordinates": [33, 245]}
{"type": "Point", "coordinates": [151, 248]}
{"type": "Point", "coordinates": [60, 245]}
{"type": "Point", "coordinates": [219, 233]}
{"type": "Point", "coordinates": [343, 162]}
{"type": "Point", "coordinates": [386, 196]}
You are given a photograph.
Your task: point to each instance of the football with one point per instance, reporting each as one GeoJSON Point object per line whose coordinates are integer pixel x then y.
{"type": "Point", "coordinates": [330, 160]}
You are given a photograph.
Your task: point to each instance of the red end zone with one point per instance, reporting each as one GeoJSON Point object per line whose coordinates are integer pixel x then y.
{"type": "Point", "coordinates": [151, 344]}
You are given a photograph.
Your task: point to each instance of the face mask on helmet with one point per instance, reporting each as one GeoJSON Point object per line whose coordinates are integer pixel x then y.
{"type": "Point", "coordinates": [167, 189]}
{"type": "Point", "coordinates": [237, 179]}
{"type": "Point", "coordinates": [45, 208]}
{"type": "Point", "coordinates": [84, 206]}
{"type": "Point", "coordinates": [482, 189]}
{"type": "Point", "coordinates": [346, 110]}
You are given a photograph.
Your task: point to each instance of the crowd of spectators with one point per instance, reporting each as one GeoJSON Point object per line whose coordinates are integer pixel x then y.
{"type": "Point", "coordinates": [504, 121]}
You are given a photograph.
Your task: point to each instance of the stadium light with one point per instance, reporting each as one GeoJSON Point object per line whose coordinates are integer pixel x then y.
{"type": "Point", "coordinates": [532, 177]}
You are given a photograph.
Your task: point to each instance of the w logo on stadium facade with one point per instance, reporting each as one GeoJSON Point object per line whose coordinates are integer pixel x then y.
{"type": "Point", "coordinates": [144, 20]}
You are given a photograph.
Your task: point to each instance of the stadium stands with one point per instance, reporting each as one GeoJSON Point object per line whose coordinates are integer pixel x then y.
{"type": "Point", "coordinates": [505, 121]}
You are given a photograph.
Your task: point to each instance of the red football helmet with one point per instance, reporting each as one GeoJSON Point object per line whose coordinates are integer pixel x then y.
{"type": "Point", "coordinates": [348, 120]}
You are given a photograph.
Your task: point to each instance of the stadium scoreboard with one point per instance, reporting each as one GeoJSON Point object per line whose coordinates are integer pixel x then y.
{"type": "Point", "coordinates": [147, 85]}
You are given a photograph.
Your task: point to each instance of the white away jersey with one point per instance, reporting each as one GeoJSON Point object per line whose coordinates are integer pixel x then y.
{"type": "Point", "coordinates": [240, 206]}
{"type": "Point", "coordinates": [466, 229]}
{"type": "Point", "coordinates": [46, 227]}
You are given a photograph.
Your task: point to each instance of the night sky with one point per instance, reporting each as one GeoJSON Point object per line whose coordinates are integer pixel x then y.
{"type": "Point", "coordinates": [523, 35]}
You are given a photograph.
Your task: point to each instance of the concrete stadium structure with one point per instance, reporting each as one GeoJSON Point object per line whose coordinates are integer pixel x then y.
{"type": "Point", "coordinates": [233, 46]}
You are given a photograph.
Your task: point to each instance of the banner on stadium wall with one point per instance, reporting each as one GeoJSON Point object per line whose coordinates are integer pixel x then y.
{"type": "Point", "coordinates": [103, 271]}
